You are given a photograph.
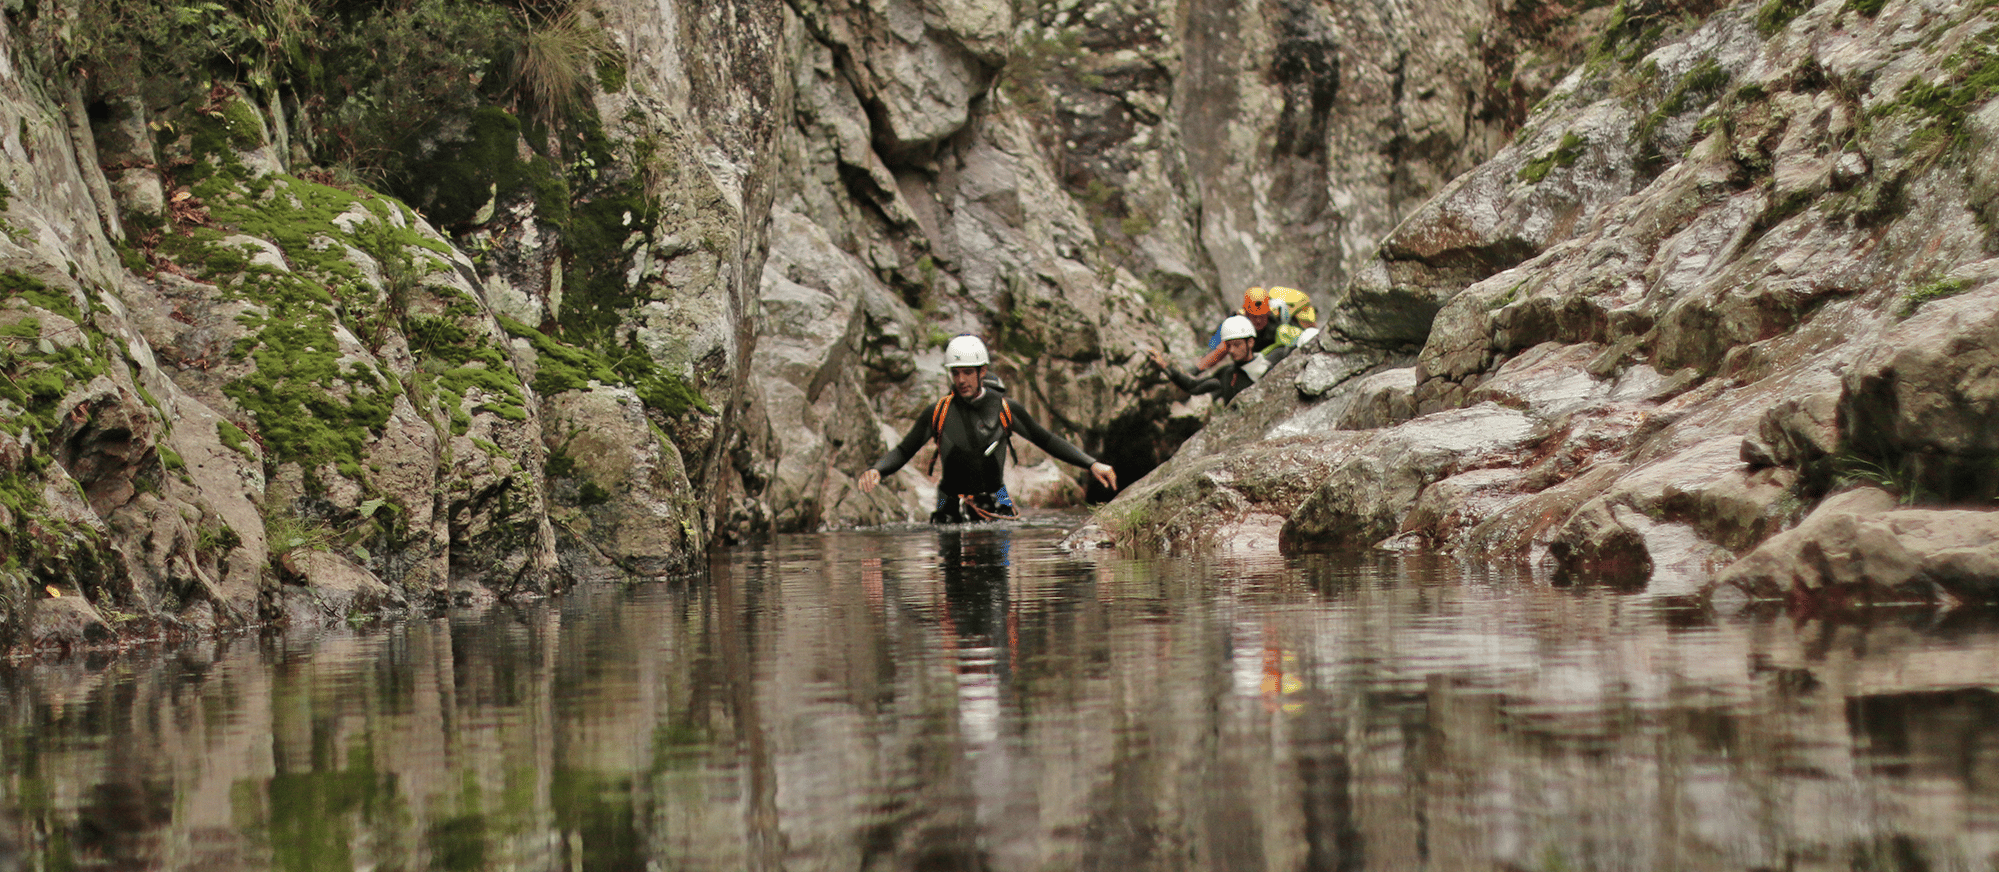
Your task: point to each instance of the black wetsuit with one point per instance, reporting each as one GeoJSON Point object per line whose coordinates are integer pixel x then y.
{"type": "Point", "coordinates": [1228, 379]}
{"type": "Point", "coordinates": [972, 447]}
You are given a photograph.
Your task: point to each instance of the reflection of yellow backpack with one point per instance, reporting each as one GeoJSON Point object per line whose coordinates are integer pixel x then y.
{"type": "Point", "coordinates": [1293, 311]}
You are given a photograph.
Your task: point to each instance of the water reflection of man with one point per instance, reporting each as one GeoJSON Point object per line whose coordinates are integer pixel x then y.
{"type": "Point", "coordinates": [976, 562]}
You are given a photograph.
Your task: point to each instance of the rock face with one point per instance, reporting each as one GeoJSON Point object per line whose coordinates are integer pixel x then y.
{"type": "Point", "coordinates": [243, 386]}
{"type": "Point", "coordinates": [471, 327]}
{"type": "Point", "coordinates": [1065, 180]}
{"type": "Point", "coordinates": [1727, 266]}
{"type": "Point", "coordinates": [1861, 543]}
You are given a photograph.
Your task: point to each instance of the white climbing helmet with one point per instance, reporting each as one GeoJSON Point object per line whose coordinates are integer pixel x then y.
{"type": "Point", "coordinates": [966, 350]}
{"type": "Point", "coordinates": [1237, 327]}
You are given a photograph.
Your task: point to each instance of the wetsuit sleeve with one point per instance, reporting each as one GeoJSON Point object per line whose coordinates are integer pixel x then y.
{"type": "Point", "coordinates": [902, 452]}
{"type": "Point", "coordinates": [1196, 385]}
{"type": "Point", "coordinates": [1056, 446]}
{"type": "Point", "coordinates": [1191, 384]}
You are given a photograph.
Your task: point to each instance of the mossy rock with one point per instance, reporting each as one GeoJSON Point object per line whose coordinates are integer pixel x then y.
{"type": "Point", "coordinates": [466, 174]}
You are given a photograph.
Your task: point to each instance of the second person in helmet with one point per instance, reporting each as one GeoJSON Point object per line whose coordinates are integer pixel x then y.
{"type": "Point", "coordinates": [1241, 368]}
{"type": "Point", "coordinates": [971, 426]}
{"type": "Point", "coordinates": [1280, 315]}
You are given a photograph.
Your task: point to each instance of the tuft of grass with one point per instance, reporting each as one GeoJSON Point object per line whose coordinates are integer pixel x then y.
{"type": "Point", "coordinates": [1898, 479]}
{"type": "Point", "coordinates": [287, 533]}
{"type": "Point", "coordinates": [1928, 291]}
{"type": "Point", "coordinates": [558, 60]}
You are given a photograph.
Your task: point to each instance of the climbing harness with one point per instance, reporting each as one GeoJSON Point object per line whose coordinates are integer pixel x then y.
{"type": "Point", "coordinates": [937, 428]}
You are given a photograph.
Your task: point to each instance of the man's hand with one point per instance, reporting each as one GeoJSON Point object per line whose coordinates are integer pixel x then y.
{"type": "Point", "coordinates": [1159, 358]}
{"type": "Point", "coordinates": [869, 479]}
{"type": "Point", "coordinates": [1105, 474]}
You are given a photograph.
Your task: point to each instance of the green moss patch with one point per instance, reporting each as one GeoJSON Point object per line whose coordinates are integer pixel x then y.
{"type": "Point", "coordinates": [561, 367]}
{"type": "Point", "coordinates": [1775, 15]}
{"type": "Point", "coordinates": [309, 405]}
{"type": "Point", "coordinates": [1564, 154]}
{"type": "Point", "coordinates": [599, 235]}
{"type": "Point", "coordinates": [1929, 291]}
{"type": "Point", "coordinates": [1971, 79]}
{"type": "Point", "coordinates": [1628, 34]}
{"type": "Point", "coordinates": [611, 73]}
{"type": "Point", "coordinates": [37, 293]}
{"type": "Point", "coordinates": [35, 374]}
{"type": "Point", "coordinates": [1695, 90]}
{"type": "Point", "coordinates": [241, 124]}
{"type": "Point", "coordinates": [234, 437]}
{"type": "Point", "coordinates": [460, 364]}
{"type": "Point", "coordinates": [299, 216]}
{"type": "Point", "coordinates": [462, 177]}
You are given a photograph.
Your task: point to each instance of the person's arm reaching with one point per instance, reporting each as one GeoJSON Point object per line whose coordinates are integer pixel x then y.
{"type": "Point", "coordinates": [1186, 382]}
{"type": "Point", "coordinates": [897, 456]}
{"type": "Point", "coordinates": [1059, 448]}
{"type": "Point", "coordinates": [1208, 361]}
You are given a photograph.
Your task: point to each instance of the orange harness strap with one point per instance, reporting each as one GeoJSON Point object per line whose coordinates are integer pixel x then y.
{"type": "Point", "coordinates": [966, 501]}
{"type": "Point", "coordinates": [937, 425]}
{"type": "Point", "coordinates": [944, 406]}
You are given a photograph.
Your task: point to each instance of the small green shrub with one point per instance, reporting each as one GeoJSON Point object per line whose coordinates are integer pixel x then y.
{"type": "Point", "coordinates": [1898, 478]}
{"type": "Point", "coordinates": [1777, 14]}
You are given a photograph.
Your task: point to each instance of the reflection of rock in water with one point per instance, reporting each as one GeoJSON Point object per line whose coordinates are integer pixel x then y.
{"type": "Point", "coordinates": [1946, 734]}
{"type": "Point", "coordinates": [970, 699]}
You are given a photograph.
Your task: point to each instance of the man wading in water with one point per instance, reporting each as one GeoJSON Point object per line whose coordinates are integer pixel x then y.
{"type": "Point", "coordinates": [971, 425]}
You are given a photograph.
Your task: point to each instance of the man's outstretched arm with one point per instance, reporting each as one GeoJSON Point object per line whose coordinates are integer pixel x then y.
{"type": "Point", "coordinates": [1059, 448]}
{"type": "Point", "coordinates": [897, 456]}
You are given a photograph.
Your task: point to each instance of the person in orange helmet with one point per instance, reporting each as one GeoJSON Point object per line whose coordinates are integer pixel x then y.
{"type": "Point", "coordinates": [1271, 312]}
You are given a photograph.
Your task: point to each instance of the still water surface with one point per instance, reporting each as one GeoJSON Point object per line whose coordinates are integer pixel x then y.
{"type": "Point", "coordinates": [934, 699]}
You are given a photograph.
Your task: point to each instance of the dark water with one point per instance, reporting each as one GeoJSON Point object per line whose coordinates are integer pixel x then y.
{"type": "Point", "coordinates": [939, 700]}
